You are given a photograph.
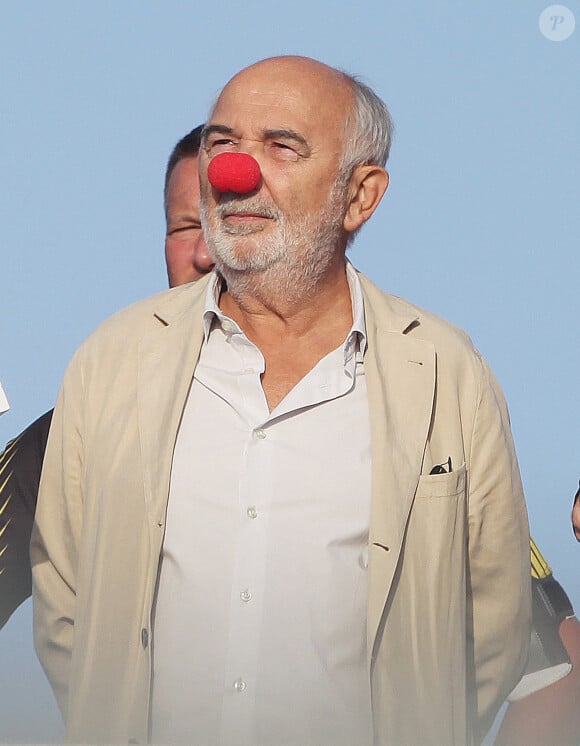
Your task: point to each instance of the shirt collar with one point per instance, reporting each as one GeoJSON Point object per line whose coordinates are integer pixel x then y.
{"type": "Point", "coordinates": [356, 339]}
{"type": "Point", "coordinates": [212, 311]}
{"type": "Point", "coordinates": [358, 330]}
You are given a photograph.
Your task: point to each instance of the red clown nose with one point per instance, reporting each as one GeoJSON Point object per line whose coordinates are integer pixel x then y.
{"type": "Point", "coordinates": [234, 172]}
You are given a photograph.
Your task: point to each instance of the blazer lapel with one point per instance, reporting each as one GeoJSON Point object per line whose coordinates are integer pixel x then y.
{"type": "Point", "coordinates": [400, 374]}
{"type": "Point", "coordinates": [167, 360]}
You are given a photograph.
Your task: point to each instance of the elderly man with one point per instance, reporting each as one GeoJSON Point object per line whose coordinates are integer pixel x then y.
{"type": "Point", "coordinates": [191, 584]}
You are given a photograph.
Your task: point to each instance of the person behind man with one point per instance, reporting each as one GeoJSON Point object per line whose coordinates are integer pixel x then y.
{"type": "Point", "coordinates": [186, 254]}
{"type": "Point", "coordinates": [544, 705]}
{"type": "Point", "coordinates": [375, 594]}
{"type": "Point", "coordinates": [187, 260]}
{"type": "Point", "coordinates": [20, 467]}
{"type": "Point", "coordinates": [576, 515]}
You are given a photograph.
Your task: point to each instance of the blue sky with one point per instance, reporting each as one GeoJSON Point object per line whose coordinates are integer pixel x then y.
{"type": "Point", "coordinates": [480, 224]}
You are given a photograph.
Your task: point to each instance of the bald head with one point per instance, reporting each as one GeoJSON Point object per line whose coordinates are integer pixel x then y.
{"type": "Point", "coordinates": [306, 76]}
{"type": "Point", "coordinates": [307, 69]}
{"type": "Point", "coordinates": [300, 94]}
{"type": "Point", "coordinates": [355, 109]}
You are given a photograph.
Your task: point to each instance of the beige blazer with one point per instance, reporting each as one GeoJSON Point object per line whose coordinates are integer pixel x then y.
{"type": "Point", "coordinates": [449, 577]}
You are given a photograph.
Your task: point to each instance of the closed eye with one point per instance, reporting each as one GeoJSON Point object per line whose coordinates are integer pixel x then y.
{"type": "Point", "coordinates": [283, 151]}
{"type": "Point", "coordinates": [220, 145]}
{"type": "Point", "coordinates": [288, 141]}
{"type": "Point", "coordinates": [183, 229]}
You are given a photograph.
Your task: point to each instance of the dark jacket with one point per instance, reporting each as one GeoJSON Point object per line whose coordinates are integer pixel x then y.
{"type": "Point", "coordinates": [20, 467]}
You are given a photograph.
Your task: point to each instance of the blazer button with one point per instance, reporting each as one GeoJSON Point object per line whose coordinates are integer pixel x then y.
{"type": "Point", "coordinates": [144, 637]}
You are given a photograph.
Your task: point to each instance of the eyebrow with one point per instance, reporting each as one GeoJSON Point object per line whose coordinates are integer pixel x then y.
{"type": "Point", "coordinates": [211, 128]}
{"type": "Point", "coordinates": [270, 134]}
{"type": "Point", "coordinates": [287, 134]}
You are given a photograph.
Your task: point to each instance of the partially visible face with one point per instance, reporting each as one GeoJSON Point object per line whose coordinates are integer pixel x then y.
{"type": "Point", "coordinates": [186, 252]}
{"type": "Point", "coordinates": [576, 515]}
{"type": "Point", "coordinates": [289, 115]}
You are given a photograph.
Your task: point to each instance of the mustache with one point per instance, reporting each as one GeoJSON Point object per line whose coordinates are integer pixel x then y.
{"type": "Point", "coordinates": [255, 206]}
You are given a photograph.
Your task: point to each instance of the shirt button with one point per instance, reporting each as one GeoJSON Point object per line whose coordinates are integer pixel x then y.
{"type": "Point", "coordinates": [239, 685]}
{"type": "Point", "coordinates": [260, 433]}
{"type": "Point", "coordinates": [144, 637]}
{"type": "Point", "coordinates": [249, 371]}
{"type": "Point", "coordinates": [251, 512]}
{"type": "Point", "coordinates": [246, 596]}
{"type": "Point", "coordinates": [227, 325]}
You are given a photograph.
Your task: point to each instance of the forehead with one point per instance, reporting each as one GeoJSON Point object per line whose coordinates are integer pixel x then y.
{"type": "Point", "coordinates": [304, 101]}
{"type": "Point", "coordinates": [183, 189]}
{"type": "Point", "coordinates": [184, 179]}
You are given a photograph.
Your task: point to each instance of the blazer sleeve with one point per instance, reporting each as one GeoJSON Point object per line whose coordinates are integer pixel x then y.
{"type": "Point", "coordinates": [20, 467]}
{"type": "Point", "coordinates": [56, 535]}
{"type": "Point", "coordinates": [499, 549]}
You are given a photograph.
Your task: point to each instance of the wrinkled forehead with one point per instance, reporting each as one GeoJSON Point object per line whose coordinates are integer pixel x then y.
{"type": "Point", "coordinates": [270, 97]}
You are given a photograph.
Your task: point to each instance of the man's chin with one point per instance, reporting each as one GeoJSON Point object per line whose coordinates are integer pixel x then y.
{"type": "Point", "coordinates": [244, 227]}
{"type": "Point", "coordinates": [243, 265]}
{"type": "Point", "coordinates": [244, 255]}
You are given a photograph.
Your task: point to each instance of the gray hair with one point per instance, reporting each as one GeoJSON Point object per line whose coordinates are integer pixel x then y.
{"type": "Point", "coordinates": [368, 129]}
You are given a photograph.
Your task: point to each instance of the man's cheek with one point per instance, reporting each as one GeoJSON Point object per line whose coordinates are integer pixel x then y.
{"type": "Point", "coordinates": [180, 247]}
{"type": "Point", "coordinates": [179, 257]}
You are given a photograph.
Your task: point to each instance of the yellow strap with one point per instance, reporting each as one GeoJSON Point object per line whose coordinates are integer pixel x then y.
{"type": "Point", "coordinates": [540, 568]}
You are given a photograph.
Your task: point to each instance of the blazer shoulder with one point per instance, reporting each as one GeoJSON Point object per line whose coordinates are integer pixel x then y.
{"type": "Point", "coordinates": [391, 313]}
{"type": "Point", "coordinates": [130, 324]}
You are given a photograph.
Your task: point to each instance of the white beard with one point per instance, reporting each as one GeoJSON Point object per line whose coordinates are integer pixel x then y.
{"type": "Point", "coordinates": [287, 263]}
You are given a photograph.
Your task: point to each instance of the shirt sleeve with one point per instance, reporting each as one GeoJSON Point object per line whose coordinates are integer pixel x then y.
{"type": "Point", "coordinates": [548, 659]}
{"type": "Point", "coordinates": [4, 406]}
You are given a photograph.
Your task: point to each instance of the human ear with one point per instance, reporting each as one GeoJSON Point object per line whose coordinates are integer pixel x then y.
{"type": "Point", "coordinates": [366, 189]}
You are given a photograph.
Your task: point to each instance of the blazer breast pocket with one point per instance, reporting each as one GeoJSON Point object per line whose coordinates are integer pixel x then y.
{"type": "Point", "coordinates": [436, 546]}
{"type": "Point", "coordinates": [450, 484]}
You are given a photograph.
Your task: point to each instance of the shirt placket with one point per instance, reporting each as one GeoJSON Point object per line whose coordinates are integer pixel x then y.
{"type": "Point", "coordinates": [247, 593]}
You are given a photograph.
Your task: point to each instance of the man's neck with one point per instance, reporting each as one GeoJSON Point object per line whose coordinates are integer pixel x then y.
{"type": "Point", "coordinates": [266, 313]}
{"type": "Point", "coordinates": [293, 334]}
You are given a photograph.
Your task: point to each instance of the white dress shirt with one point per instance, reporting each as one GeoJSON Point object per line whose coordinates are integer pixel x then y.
{"type": "Point", "coordinates": [260, 620]}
